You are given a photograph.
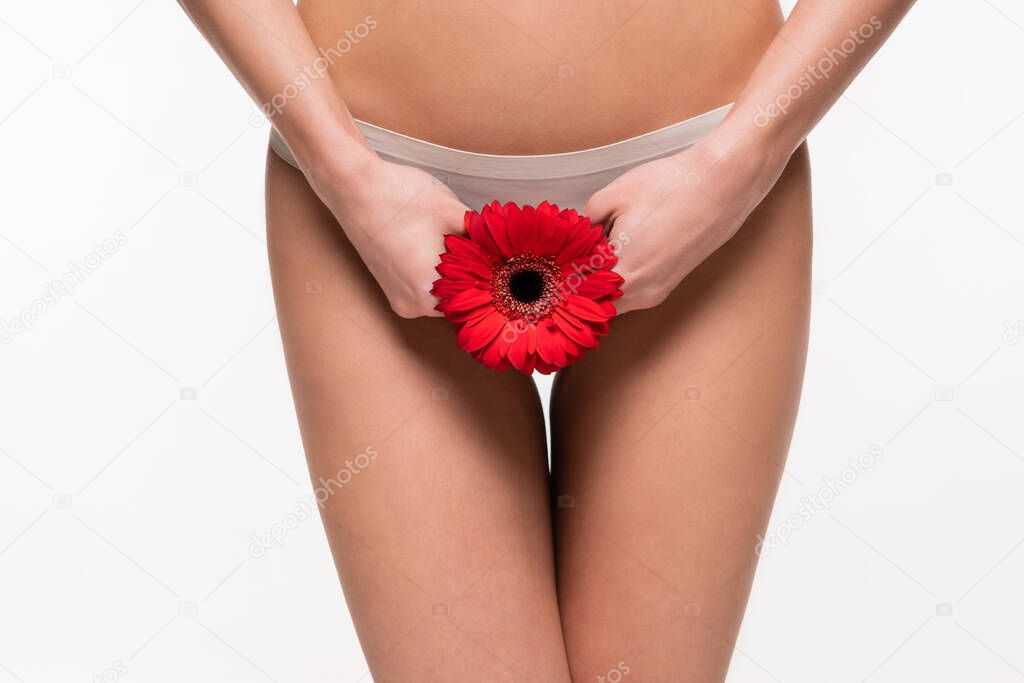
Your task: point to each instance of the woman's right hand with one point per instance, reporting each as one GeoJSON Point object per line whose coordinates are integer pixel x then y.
{"type": "Point", "coordinates": [396, 217]}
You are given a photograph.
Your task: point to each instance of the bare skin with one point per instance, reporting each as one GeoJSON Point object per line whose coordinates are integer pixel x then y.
{"type": "Point", "coordinates": [454, 512]}
{"type": "Point", "coordinates": [668, 493]}
{"type": "Point", "coordinates": [669, 441]}
{"type": "Point", "coordinates": [485, 76]}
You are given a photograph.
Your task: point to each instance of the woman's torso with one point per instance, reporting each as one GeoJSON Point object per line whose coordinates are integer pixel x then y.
{"type": "Point", "coordinates": [537, 76]}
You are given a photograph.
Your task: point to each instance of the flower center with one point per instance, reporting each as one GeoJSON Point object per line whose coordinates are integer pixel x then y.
{"type": "Point", "coordinates": [525, 286]}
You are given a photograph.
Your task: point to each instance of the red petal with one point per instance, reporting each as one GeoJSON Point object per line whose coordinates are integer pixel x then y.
{"type": "Point", "coordinates": [608, 275]}
{"type": "Point", "coordinates": [477, 334]}
{"type": "Point", "coordinates": [491, 355]}
{"type": "Point", "coordinates": [517, 352]}
{"type": "Point", "coordinates": [572, 349]}
{"type": "Point", "coordinates": [456, 271]}
{"type": "Point", "coordinates": [528, 230]}
{"type": "Point", "coordinates": [468, 316]}
{"type": "Point", "coordinates": [583, 336]}
{"type": "Point", "coordinates": [596, 287]}
{"type": "Point", "coordinates": [477, 230]}
{"type": "Point", "coordinates": [581, 245]}
{"type": "Point", "coordinates": [586, 308]}
{"type": "Point", "coordinates": [590, 262]}
{"type": "Point", "coordinates": [549, 346]}
{"type": "Point", "coordinates": [513, 228]}
{"type": "Point", "coordinates": [531, 339]}
{"type": "Point", "coordinates": [531, 364]}
{"type": "Point", "coordinates": [494, 218]}
{"type": "Point", "coordinates": [467, 248]}
{"type": "Point", "coordinates": [546, 368]}
{"type": "Point", "coordinates": [547, 210]}
{"type": "Point", "coordinates": [572, 216]}
{"type": "Point", "coordinates": [543, 230]}
{"type": "Point", "coordinates": [470, 298]}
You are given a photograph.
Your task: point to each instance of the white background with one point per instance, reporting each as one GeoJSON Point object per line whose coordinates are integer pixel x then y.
{"type": "Point", "coordinates": [126, 511]}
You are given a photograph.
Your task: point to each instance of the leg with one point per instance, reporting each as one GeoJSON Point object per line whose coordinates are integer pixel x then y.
{"type": "Point", "coordinates": [441, 530]}
{"type": "Point", "coordinates": [671, 440]}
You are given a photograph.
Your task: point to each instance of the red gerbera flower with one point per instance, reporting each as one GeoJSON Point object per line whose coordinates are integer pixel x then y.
{"type": "Point", "coordinates": [530, 288]}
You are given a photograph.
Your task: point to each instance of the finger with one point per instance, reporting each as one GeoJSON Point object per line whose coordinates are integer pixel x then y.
{"type": "Point", "coordinates": [623, 305]}
{"type": "Point", "coordinates": [456, 219]}
{"type": "Point", "coordinates": [626, 303]}
{"type": "Point", "coordinates": [600, 208]}
{"type": "Point", "coordinates": [430, 308]}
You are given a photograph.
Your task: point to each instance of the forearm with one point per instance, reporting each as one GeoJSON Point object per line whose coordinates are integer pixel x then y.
{"type": "Point", "coordinates": [267, 47]}
{"type": "Point", "coordinates": [815, 56]}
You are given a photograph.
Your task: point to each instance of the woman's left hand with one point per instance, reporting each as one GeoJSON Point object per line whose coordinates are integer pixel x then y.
{"type": "Point", "coordinates": [668, 215]}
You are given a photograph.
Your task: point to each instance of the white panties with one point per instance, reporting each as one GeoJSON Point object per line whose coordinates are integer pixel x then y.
{"type": "Point", "coordinates": [566, 179]}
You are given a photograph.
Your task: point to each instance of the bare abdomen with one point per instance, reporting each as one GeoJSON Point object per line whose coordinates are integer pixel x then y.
{"type": "Point", "coordinates": [540, 76]}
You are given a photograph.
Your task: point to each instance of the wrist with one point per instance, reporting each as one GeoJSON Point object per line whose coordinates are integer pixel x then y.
{"type": "Point", "coordinates": [325, 141]}
{"type": "Point", "coordinates": [753, 129]}
{"type": "Point", "coordinates": [332, 147]}
{"type": "Point", "coordinates": [738, 138]}
{"type": "Point", "coordinates": [336, 158]}
{"type": "Point", "coordinates": [754, 155]}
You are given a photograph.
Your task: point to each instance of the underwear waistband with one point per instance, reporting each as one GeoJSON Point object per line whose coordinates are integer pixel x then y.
{"type": "Point", "coordinates": [400, 148]}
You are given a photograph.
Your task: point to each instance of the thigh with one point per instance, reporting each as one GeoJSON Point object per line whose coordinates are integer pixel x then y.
{"type": "Point", "coordinates": [432, 470]}
{"type": "Point", "coordinates": [669, 443]}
